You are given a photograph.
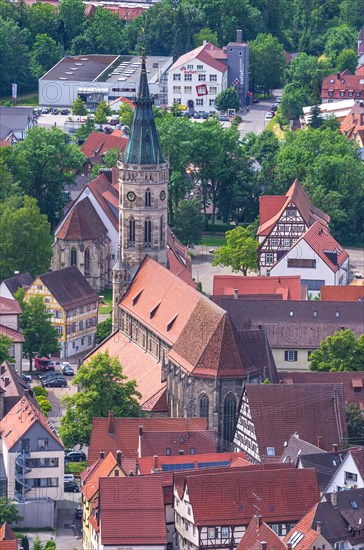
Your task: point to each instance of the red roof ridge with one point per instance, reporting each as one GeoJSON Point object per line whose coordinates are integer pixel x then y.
{"type": "Point", "coordinates": [8, 305]}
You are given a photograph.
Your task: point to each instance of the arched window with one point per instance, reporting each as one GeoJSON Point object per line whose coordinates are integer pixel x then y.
{"type": "Point", "coordinates": [132, 232]}
{"type": "Point", "coordinates": [229, 418]}
{"type": "Point", "coordinates": [204, 407]}
{"type": "Point", "coordinates": [73, 256]}
{"type": "Point", "coordinates": [148, 233]}
{"type": "Point", "coordinates": [87, 262]}
{"type": "Point", "coordinates": [148, 198]}
{"type": "Point", "coordinates": [161, 230]}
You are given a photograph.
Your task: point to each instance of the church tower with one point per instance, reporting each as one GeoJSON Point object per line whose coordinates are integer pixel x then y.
{"type": "Point", "coordinates": [143, 197]}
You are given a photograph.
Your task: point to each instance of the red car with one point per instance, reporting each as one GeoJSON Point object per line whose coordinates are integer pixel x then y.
{"type": "Point", "coordinates": [43, 364]}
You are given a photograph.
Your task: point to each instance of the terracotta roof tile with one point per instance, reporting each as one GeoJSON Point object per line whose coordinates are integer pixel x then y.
{"type": "Point", "coordinates": [288, 287]}
{"type": "Point", "coordinates": [98, 186]}
{"type": "Point", "coordinates": [147, 463]}
{"type": "Point", "coordinates": [345, 82]}
{"type": "Point", "coordinates": [125, 435]}
{"type": "Point", "coordinates": [228, 497]}
{"type": "Point", "coordinates": [104, 467]}
{"type": "Point", "coordinates": [358, 457]}
{"type": "Point", "coordinates": [297, 447]}
{"type": "Point", "coordinates": [9, 307]}
{"type": "Point", "coordinates": [257, 532]}
{"type": "Point", "coordinates": [351, 293]}
{"type": "Point", "coordinates": [208, 53]}
{"type": "Point", "coordinates": [15, 335]}
{"type": "Point", "coordinates": [6, 533]}
{"type": "Point", "coordinates": [156, 443]}
{"type": "Point", "coordinates": [304, 527]}
{"type": "Point", "coordinates": [69, 287]}
{"type": "Point", "coordinates": [82, 223]}
{"type": "Point", "coordinates": [319, 238]}
{"type": "Point", "coordinates": [132, 511]}
{"type": "Point", "coordinates": [127, 13]}
{"type": "Point", "coordinates": [312, 406]}
{"type": "Point", "coordinates": [98, 143]}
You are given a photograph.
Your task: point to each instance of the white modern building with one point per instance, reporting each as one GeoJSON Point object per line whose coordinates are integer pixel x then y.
{"type": "Point", "coordinates": [101, 77]}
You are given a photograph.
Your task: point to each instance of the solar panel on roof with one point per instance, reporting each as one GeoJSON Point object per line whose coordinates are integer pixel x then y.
{"type": "Point", "coordinates": [213, 464]}
{"type": "Point", "coordinates": [177, 467]}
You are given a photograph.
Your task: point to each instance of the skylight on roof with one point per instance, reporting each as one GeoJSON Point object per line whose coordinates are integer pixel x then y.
{"type": "Point", "coordinates": [8, 433]}
{"type": "Point", "coordinates": [354, 504]}
{"type": "Point", "coordinates": [296, 538]}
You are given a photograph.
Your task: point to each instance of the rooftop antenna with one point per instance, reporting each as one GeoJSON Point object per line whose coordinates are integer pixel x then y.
{"type": "Point", "coordinates": [256, 506]}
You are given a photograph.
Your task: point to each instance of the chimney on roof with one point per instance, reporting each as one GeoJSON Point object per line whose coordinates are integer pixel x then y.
{"type": "Point", "coordinates": [236, 293]}
{"type": "Point", "coordinates": [119, 457]}
{"type": "Point", "coordinates": [334, 447]}
{"type": "Point", "coordinates": [111, 423]}
{"type": "Point", "coordinates": [140, 435]}
{"type": "Point", "coordinates": [318, 527]}
{"type": "Point", "coordinates": [334, 499]}
{"type": "Point", "coordinates": [181, 452]}
{"type": "Point", "coordinates": [296, 434]}
{"type": "Point", "coordinates": [26, 393]}
{"type": "Point", "coordinates": [259, 520]}
{"type": "Point", "coordinates": [338, 76]}
{"type": "Point", "coordinates": [263, 545]}
{"type": "Point", "coordinates": [239, 35]}
{"type": "Point", "coordinates": [137, 468]}
{"type": "Point", "coordinates": [155, 463]}
{"type": "Point", "coordinates": [319, 441]}
{"type": "Point", "coordinates": [204, 42]}
{"type": "Point", "coordinates": [289, 546]}
{"type": "Point", "coordinates": [102, 454]}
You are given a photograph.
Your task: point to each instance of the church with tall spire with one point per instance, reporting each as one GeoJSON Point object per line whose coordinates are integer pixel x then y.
{"type": "Point", "coordinates": [143, 197]}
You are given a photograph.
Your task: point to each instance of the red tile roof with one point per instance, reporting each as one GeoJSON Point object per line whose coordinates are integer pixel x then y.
{"type": "Point", "coordinates": [125, 435]}
{"type": "Point", "coordinates": [15, 335]}
{"type": "Point", "coordinates": [127, 13]}
{"type": "Point", "coordinates": [345, 82]}
{"type": "Point", "coordinates": [289, 287]}
{"type": "Point", "coordinates": [304, 527]}
{"type": "Point", "coordinates": [19, 420]}
{"type": "Point", "coordinates": [156, 443]}
{"type": "Point", "coordinates": [229, 497]}
{"type": "Point", "coordinates": [104, 467]}
{"type": "Point", "coordinates": [9, 307]}
{"type": "Point", "coordinates": [82, 223]}
{"type": "Point", "coordinates": [98, 143]}
{"type": "Point", "coordinates": [147, 463]}
{"type": "Point", "coordinates": [351, 293]}
{"type": "Point", "coordinates": [98, 187]}
{"type": "Point", "coordinates": [319, 238]}
{"type": "Point", "coordinates": [207, 53]}
{"type": "Point", "coordinates": [257, 532]}
{"type": "Point", "coordinates": [6, 533]}
{"type": "Point", "coordinates": [271, 213]}
{"type": "Point", "coordinates": [279, 409]}
{"type": "Point", "coordinates": [353, 122]}
{"type": "Point", "coordinates": [132, 511]}
{"type": "Point", "coordinates": [350, 380]}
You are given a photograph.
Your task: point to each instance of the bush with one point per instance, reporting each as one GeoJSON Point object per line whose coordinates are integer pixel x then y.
{"type": "Point", "coordinates": [40, 391]}
{"type": "Point", "coordinates": [75, 467]}
{"type": "Point", "coordinates": [44, 404]}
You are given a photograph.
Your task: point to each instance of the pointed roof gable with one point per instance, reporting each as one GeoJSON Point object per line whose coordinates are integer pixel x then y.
{"type": "Point", "coordinates": [24, 280]}
{"type": "Point", "coordinates": [69, 287]}
{"type": "Point", "coordinates": [82, 223]}
{"type": "Point", "coordinates": [98, 143]}
{"type": "Point", "coordinates": [258, 532]}
{"type": "Point", "coordinates": [207, 53]}
{"type": "Point", "coordinates": [143, 146]}
{"type": "Point", "coordinates": [303, 531]}
{"type": "Point", "coordinates": [9, 307]}
{"type": "Point", "coordinates": [103, 468]}
{"type": "Point", "coordinates": [297, 195]}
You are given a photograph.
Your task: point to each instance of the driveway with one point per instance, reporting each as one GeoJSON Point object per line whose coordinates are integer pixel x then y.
{"type": "Point", "coordinates": [68, 531]}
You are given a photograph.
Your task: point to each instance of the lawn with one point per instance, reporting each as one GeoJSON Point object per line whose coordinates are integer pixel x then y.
{"type": "Point", "coordinates": [29, 99]}
{"type": "Point", "coordinates": [212, 240]}
{"type": "Point", "coordinates": [106, 304]}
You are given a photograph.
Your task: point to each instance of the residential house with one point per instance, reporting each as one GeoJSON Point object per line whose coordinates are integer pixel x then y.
{"type": "Point", "coordinates": [8, 540]}
{"type": "Point", "coordinates": [339, 519]}
{"type": "Point", "coordinates": [73, 305]}
{"type": "Point", "coordinates": [112, 434]}
{"type": "Point", "coordinates": [294, 328]}
{"type": "Point", "coordinates": [337, 109]}
{"type": "Point", "coordinates": [12, 389]}
{"type": "Point", "coordinates": [275, 288]}
{"type": "Point", "coordinates": [108, 466]}
{"type": "Point", "coordinates": [258, 534]}
{"type": "Point", "coordinates": [269, 412]}
{"type": "Point", "coordinates": [15, 122]}
{"type": "Point", "coordinates": [303, 537]}
{"type": "Point", "coordinates": [96, 145]}
{"type": "Point", "coordinates": [127, 12]}
{"type": "Point", "coordinates": [283, 220]}
{"type": "Point", "coordinates": [130, 513]}
{"type": "Point", "coordinates": [353, 382]}
{"type": "Point", "coordinates": [9, 287]}
{"type": "Point", "coordinates": [325, 465]}
{"type": "Point", "coordinates": [215, 509]}
{"type": "Point", "coordinates": [341, 86]}
{"type": "Point", "coordinates": [351, 293]}
{"type": "Point", "coordinates": [318, 258]}
{"type": "Point", "coordinates": [349, 473]}
{"type": "Point", "coordinates": [296, 447]}
{"type": "Point", "coordinates": [9, 326]}
{"type": "Point", "coordinates": [33, 457]}
{"type": "Point", "coordinates": [179, 341]}
{"type": "Point", "coordinates": [353, 124]}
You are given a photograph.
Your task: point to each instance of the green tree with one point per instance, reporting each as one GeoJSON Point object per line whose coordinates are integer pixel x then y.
{"type": "Point", "coordinates": [354, 424]}
{"type": "Point", "coordinates": [240, 251]}
{"type": "Point", "coordinates": [227, 99]}
{"type": "Point", "coordinates": [351, 12]}
{"type": "Point", "coordinates": [110, 159]}
{"type": "Point", "coordinates": [45, 53]}
{"type": "Point", "coordinates": [316, 119]}
{"type": "Point", "coordinates": [40, 391]}
{"type": "Point", "coordinates": [72, 19]}
{"type": "Point", "coordinates": [37, 544]}
{"type": "Point", "coordinates": [43, 19]}
{"type": "Point", "coordinates": [267, 62]}
{"type": "Point", "coordinates": [103, 330]}
{"type": "Point", "coordinates": [44, 404]}
{"type": "Point", "coordinates": [5, 343]}
{"type": "Point", "coordinates": [126, 114]}
{"type": "Point", "coordinates": [347, 59]}
{"type": "Point", "coordinates": [104, 34]}
{"type": "Point", "coordinates": [293, 100]}
{"type": "Point", "coordinates": [339, 352]}
{"type": "Point", "coordinates": [50, 545]}
{"type": "Point", "coordinates": [102, 112]}
{"type": "Point", "coordinates": [205, 34]}
{"type": "Point", "coordinates": [14, 46]}
{"type": "Point", "coordinates": [39, 334]}
{"type": "Point", "coordinates": [104, 388]}
{"type": "Point", "coordinates": [43, 163]}
{"type": "Point", "coordinates": [85, 130]}
{"type": "Point", "coordinates": [20, 219]}
{"type": "Point", "coordinates": [338, 39]}
{"type": "Point", "coordinates": [79, 107]}
{"type": "Point", "coordinates": [188, 221]}
{"type": "Point", "coordinates": [308, 72]}
{"type": "Point", "coordinates": [8, 512]}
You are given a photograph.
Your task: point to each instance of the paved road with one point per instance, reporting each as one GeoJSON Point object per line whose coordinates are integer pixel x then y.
{"type": "Point", "coordinates": [356, 259]}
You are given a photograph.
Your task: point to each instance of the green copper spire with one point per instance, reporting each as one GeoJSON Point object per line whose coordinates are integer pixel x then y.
{"type": "Point", "coordinates": [143, 146]}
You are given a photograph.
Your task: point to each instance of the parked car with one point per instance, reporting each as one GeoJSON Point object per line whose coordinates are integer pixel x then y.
{"type": "Point", "coordinates": [65, 364]}
{"type": "Point", "coordinates": [269, 115]}
{"type": "Point", "coordinates": [43, 363]}
{"type": "Point", "coordinates": [203, 114]}
{"type": "Point", "coordinates": [68, 371]}
{"type": "Point", "coordinates": [187, 114]}
{"type": "Point", "coordinates": [37, 111]}
{"type": "Point", "coordinates": [54, 112]}
{"type": "Point", "coordinates": [108, 130]}
{"type": "Point", "coordinates": [26, 378]}
{"type": "Point", "coordinates": [278, 98]}
{"type": "Point", "coordinates": [196, 115]}
{"type": "Point", "coordinates": [78, 512]}
{"type": "Point", "coordinates": [113, 121]}
{"type": "Point", "coordinates": [223, 118]}
{"type": "Point", "coordinates": [274, 108]}
{"type": "Point", "coordinates": [45, 110]}
{"type": "Point", "coordinates": [68, 478]}
{"type": "Point", "coordinates": [75, 456]}
{"type": "Point", "coordinates": [71, 487]}
{"type": "Point", "coordinates": [65, 112]}
{"type": "Point", "coordinates": [56, 382]}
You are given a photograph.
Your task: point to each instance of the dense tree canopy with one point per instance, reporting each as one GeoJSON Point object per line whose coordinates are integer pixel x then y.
{"type": "Point", "coordinates": [240, 251]}
{"type": "Point", "coordinates": [188, 221]}
{"type": "Point", "coordinates": [227, 99]}
{"type": "Point", "coordinates": [340, 352]}
{"type": "Point", "coordinates": [355, 424]}
{"type": "Point", "coordinates": [5, 343]}
{"type": "Point", "coordinates": [266, 62]}
{"type": "Point", "coordinates": [9, 512]}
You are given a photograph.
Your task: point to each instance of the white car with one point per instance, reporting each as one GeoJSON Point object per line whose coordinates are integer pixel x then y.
{"type": "Point", "coordinates": [268, 116]}
{"type": "Point", "coordinates": [65, 364]}
{"type": "Point", "coordinates": [68, 478]}
{"type": "Point", "coordinates": [278, 98]}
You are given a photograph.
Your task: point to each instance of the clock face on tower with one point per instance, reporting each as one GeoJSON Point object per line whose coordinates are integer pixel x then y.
{"type": "Point", "coordinates": [162, 195]}
{"type": "Point", "coordinates": [130, 196]}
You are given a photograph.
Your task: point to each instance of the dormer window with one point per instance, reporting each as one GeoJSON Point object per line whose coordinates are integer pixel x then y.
{"type": "Point", "coordinates": [168, 451]}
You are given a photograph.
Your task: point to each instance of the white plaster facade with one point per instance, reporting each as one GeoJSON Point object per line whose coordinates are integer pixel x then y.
{"type": "Point", "coordinates": [347, 476]}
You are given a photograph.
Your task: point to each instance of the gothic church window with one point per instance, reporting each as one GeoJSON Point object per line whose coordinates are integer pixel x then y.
{"type": "Point", "coordinates": [131, 232]}
{"type": "Point", "coordinates": [147, 233]}
{"type": "Point", "coordinates": [73, 256]}
{"type": "Point", "coordinates": [204, 406]}
{"type": "Point", "coordinates": [161, 229]}
{"type": "Point", "coordinates": [148, 198]}
{"type": "Point", "coordinates": [229, 417]}
{"type": "Point", "coordinates": [87, 262]}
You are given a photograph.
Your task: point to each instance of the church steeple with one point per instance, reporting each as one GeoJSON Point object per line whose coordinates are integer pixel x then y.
{"type": "Point", "coordinates": [143, 146]}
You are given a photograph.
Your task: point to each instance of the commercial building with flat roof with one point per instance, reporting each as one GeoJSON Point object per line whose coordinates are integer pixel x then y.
{"type": "Point", "coordinates": [96, 77]}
